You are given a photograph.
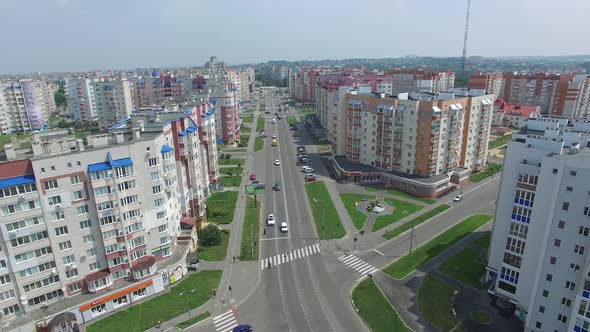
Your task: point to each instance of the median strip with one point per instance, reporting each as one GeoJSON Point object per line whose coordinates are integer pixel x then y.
{"type": "Point", "coordinates": [324, 211]}
{"type": "Point", "coordinates": [415, 222]}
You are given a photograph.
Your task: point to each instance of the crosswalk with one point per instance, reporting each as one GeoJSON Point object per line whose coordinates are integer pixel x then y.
{"type": "Point", "coordinates": [289, 256]}
{"type": "Point", "coordinates": [357, 264]}
{"type": "Point", "coordinates": [226, 321]}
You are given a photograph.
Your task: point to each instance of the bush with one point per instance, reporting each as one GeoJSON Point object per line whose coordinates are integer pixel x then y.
{"type": "Point", "coordinates": [217, 213]}
{"type": "Point", "coordinates": [210, 236]}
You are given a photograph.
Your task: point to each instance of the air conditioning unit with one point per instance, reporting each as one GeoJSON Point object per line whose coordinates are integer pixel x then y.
{"type": "Point", "coordinates": [110, 174]}
{"type": "Point", "coordinates": [53, 271]}
{"type": "Point", "coordinates": [116, 204]}
{"type": "Point", "coordinates": [73, 265]}
{"type": "Point", "coordinates": [120, 233]}
{"type": "Point", "coordinates": [118, 219]}
{"type": "Point", "coordinates": [58, 208]}
{"type": "Point", "coordinates": [82, 257]}
{"type": "Point", "coordinates": [68, 267]}
{"type": "Point", "coordinates": [44, 305]}
{"type": "Point", "coordinates": [21, 198]}
{"type": "Point", "coordinates": [123, 247]}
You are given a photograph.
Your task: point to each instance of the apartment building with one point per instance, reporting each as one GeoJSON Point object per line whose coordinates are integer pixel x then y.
{"type": "Point", "coordinates": [513, 116]}
{"type": "Point", "coordinates": [538, 263]}
{"type": "Point", "coordinates": [26, 105]}
{"type": "Point", "coordinates": [491, 83]}
{"type": "Point", "coordinates": [413, 142]}
{"type": "Point", "coordinates": [79, 220]}
{"type": "Point", "coordinates": [113, 101]}
{"type": "Point", "coordinates": [81, 101]}
{"type": "Point", "coordinates": [420, 80]}
{"type": "Point", "coordinates": [573, 97]}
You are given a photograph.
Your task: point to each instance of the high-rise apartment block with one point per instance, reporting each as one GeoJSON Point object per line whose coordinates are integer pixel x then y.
{"type": "Point", "coordinates": [80, 97]}
{"type": "Point", "coordinates": [418, 142]}
{"type": "Point", "coordinates": [538, 262]}
{"type": "Point", "coordinates": [112, 101]}
{"type": "Point", "coordinates": [118, 211]}
{"type": "Point", "coordinates": [25, 105]}
{"type": "Point", "coordinates": [420, 80]}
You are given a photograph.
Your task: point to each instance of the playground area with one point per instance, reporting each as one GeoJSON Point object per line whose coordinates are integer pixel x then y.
{"type": "Point", "coordinates": [375, 206]}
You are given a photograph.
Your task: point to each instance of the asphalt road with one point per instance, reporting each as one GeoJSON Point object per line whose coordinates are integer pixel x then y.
{"type": "Point", "coordinates": [308, 290]}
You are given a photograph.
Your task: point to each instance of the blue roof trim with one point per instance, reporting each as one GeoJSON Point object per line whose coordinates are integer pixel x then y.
{"type": "Point", "coordinates": [122, 162]}
{"type": "Point", "coordinates": [166, 148]}
{"type": "Point", "coordinates": [220, 141]}
{"type": "Point", "coordinates": [182, 133]}
{"type": "Point", "coordinates": [99, 167]}
{"type": "Point", "coordinates": [17, 181]}
{"type": "Point", "coordinates": [191, 129]}
{"type": "Point", "coordinates": [355, 101]}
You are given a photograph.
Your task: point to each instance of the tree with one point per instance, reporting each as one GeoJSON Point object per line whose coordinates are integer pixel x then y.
{"type": "Point", "coordinates": [210, 236]}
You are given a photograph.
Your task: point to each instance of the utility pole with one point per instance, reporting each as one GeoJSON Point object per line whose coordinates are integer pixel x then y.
{"type": "Point", "coordinates": [411, 239]}
{"type": "Point", "coordinates": [465, 38]}
{"type": "Point", "coordinates": [252, 240]}
{"type": "Point", "coordinates": [323, 220]}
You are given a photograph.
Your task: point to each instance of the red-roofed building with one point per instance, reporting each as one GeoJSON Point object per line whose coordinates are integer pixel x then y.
{"type": "Point", "coordinates": [508, 115]}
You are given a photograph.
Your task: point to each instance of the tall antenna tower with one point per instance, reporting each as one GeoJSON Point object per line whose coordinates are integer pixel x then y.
{"type": "Point", "coordinates": [465, 38]}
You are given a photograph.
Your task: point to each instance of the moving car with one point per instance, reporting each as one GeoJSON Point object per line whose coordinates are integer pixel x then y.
{"type": "Point", "coordinates": [243, 328]}
{"type": "Point", "coordinates": [284, 227]}
{"type": "Point", "coordinates": [274, 136]}
{"type": "Point", "coordinates": [273, 121]}
{"type": "Point", "coordinates": [277, 162]}
{"type": "Point", "coordinates": [270, 221]}
{"type": "Point", "coordinates": [277, 186]}
{"type": "Point", "coordinates": [458, 198]}
{"type": "Point", "coordinates": [274, 142]}
{"type": "Point", "coordinates": [252, 177]}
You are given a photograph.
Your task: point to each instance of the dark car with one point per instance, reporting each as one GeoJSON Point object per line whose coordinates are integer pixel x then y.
{"type": "Point", "coordinates": [277, 186]}
{"type": "Point", "coordinates": [222, 156]}
{"type": "Point", "coordinates": [227, 156]}
{"type": "Point", "coordinates": [243, 328]}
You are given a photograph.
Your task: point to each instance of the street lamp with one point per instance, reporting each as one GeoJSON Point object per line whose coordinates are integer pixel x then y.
{"type": "Point", "coordinates": [188, 311]}
{"type": "Point", "coordinates": [323, 216]}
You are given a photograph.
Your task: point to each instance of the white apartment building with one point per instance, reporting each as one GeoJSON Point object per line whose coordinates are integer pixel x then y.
{"type": "Point", "coordinates": [81, 219]}
{"type": "Point", "coordinates": [539, 264]}
{"type": "Point", "coordinates": [113, 101]}
{"type": "Point", "coordinates": [81, 100]}
{"type": "Point", "coordinates": [26, 105]}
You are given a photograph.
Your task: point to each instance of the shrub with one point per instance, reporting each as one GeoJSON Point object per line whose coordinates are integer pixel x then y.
{"type": "Point", "coordinates": [210, 236]}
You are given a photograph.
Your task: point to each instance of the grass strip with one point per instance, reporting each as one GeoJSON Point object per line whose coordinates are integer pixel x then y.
{"type": "Point", "coordinates": [221, 207]}
{"type": "Point", "coordinates": [416, 221]}
{"type": "Point", "coordinates": [374, 308]}
{"type": "Point", "coordinates": [402, 210]}
{"type": "Point", "coordinates": [215, 253]}
{"type": "Point", "coordinates": [194, 320]}
{"type": "Point", "coordinates": [250, 231]}
{"type": "Point", "coordinates": [490, 170]}
{"type": "Point", "coordinates": [323, 204]}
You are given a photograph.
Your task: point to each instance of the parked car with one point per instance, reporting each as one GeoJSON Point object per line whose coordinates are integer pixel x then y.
{"type": "Point", "coordinates": [243, 328]}
{"type": "Point", "coordinates": [222, 156]}
{"type": "Point", "coordinates": [307, 169]}
{"type": "Point", "coordinates": [310, 177]}
{"type": "Point", "coordinates": [304, 160]}
{"type": "Point", "coordinates": [228, 156]}
{"type": "Point", "coordinates": [255, 182]}
{"type": "Point", "coordinates": [270, 221]}
{"type": "Point", "coordinates": [252, 177]}
{"type": "Point", "coordinates": [458, 198]}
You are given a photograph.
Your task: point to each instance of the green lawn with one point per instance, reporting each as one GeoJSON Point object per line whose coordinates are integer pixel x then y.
{"type": "Point", "coordinates": [372, 189]}
{"type": "Point", "coordinates": [484, 241]}
{"type": "Point", "coordinates": [215, 253]}
{"type": "Point", "coordinates": [237, 162]}
{"type": "Point", "coordinates": [258, 144]}
{"type": "Point", "coordinates": [230, 181]}
{"type": "Point", "coordinates": [79, 134]}
{"type": "Point", "coordinates": [260, 124]}
{"type": "Point", "coordinates": [248, 119]}
{"type": "Point", "coordinates": [320, 141]}
{"type": "Point", "coordinates": [499, 141]}
{"type": "Point", "coordinates": [193, 320]}
{"type": "Point", "coordinates": [490, 170]}
{"type": "Point", "coordinates": [481, 317]}
{"type": "Point", "coordinates": [143, 316]}
{"type": "Point", "coordinates": [416, 221]}
{"type": "Point", "coordinates": [407, 264]}
{"type": "Point", "coordinates": [235, 150]}
{"type": "Point", "coordinates": [465, 267]}
{"type": "Point", "coordinates": [374, 308]}
{"type": "Point", "coordinates": [231, 170]}
{"type": "Point", "coordinates": [358, 218]}
{"type": "Point", "coordinates": [403, 194]}
{"type": "Point", "coordinates": [435, 299]}
{"type": "Point", "coordinates": [24, 140]}
{"type": "Point", "coordinates": [221, 206]}
{"type": "Point", "coordinates": [291, 120]}
{"type": "Point", "coordinates": [333, 225]}
{"type": "Point", "coordinates": [403, 209]}
{"type": "Point", "coordinates": [251, 227]}
{"type": "Point", "coordinates": [244, 141]}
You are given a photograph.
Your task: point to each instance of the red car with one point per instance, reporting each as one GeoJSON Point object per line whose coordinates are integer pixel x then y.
{"type": "Point", "coordinates": [252, 177]}
{"type": "Point", "coordinates": [309, 177]}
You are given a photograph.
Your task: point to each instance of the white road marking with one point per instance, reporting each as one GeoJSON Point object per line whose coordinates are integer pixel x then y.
{"type": "Point", "coordinates": [275, 238]}
{"type": "Point", "coordinates": [379, 252]}
{"type": "Point", "coordinates": [225, 322]}
{"type": "Point", "coordinates": [290, 256]}
{"type": "Point", "coordinates": [357, 264]}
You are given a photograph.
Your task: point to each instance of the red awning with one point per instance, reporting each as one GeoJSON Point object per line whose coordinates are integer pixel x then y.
{"type": "Point", "coordinates": [187, 221]}
{"type": "Point", "coordinates": [143, 263]}
{"type": "Point", "coordinates": [97, 275]}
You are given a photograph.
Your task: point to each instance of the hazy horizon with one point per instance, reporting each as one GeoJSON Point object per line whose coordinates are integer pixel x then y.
{"type": "Point", "coordinates": [80, 35]}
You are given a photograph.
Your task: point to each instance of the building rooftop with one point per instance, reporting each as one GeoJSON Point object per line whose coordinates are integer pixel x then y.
{"type": "Point", "coordinates": [520, 110]}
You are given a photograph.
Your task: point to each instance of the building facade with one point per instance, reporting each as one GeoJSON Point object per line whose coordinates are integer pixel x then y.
{"type": "Point", "coordinates": [513, 116]}
{"type": "Point", "coordinates": [538, 263]}
{"type": "Point", "coordinates": [113, 101]}
{"type": "Point", "coordinates": [81, 101]}
{"type": "Point", "coordinates": [26, 105]}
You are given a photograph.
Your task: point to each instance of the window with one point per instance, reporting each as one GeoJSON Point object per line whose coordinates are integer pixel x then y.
{"type": "Point", "coordinates": [574, 267]}
{"type": "Point", "coordinates": [85, 224]}
{"type": "Point", "coordinates": [538, 324]}
{"type": "Point", "coordinates": [53, 168]}
{"type": "Point", "coordinates": [65, 245]}
{"type": "Point", "coordinates": [153, 162]}
{"type": "Point", "coordinates": [549, 277]}
{"type": "Point", "coordinates": [509, 275]}
{"type": "Point", "coordinates": [54, 200]}
{"type": "Point", "coordinates": [98, 309]}
{"type": "Point", "coordinates": [165, 240]}
{"type": "Point", "coordinates": [88, 238]}
{"type": "Point", "coordinates": [100, 175]}
{"type": "Point", "coordinates": [161, 215]}
{"type": "Point", "coordinates": [79, 164]}
{"type": "Point", "coordinates": [102, 191]}
{"type": "Point", "coordinates": [69, 165]}
{"type": "Point", "coordinates": [583, 230]}
{"type": "Point", "coordinates": [24, 223]}
{"type": "Point", "coordinates": [42, 170]}
{"type": "Point", "coordinates": [515, 245]}
{"type": "Point", "coordinates": [562, 318]}
{"type": "Point", "coordinates": [578, 249]}
{"type": "Point", "coordinates": [570, 189]}
{"type": "Point", "coordinates": [126, 185]}
{"type": "Point", "coordinates": [520, 213]}
{"type": "Point", "coordinates": [561, 224]}
{"type": "Point", "coordinates": [555, 171]}
{"type": "Point", "coordinates": [545, 293]}
{"type": "Point", "coordinates": [124, 171]}
{"type": "Point", "coordinates": [566, 302]}
{"type": "Point", "coordinates": [77, 195]}
{"type": "Point", "coordinates": [26, 239]}
{"type": "Point", "coordinates": [50, 184]}
{"type": "Point", "coordinates": [134, 227]}
{"type": "Point", "coordinates": [155, 176]}
{"type": "Point", "coordinates": [7, 295]}
{"type": "Point", "coordinates": [557, 243]}
{"type": "Point", "coordinates": [91, 252]}
{"type": "Point", "coordinates": [167, 155]}
{"type": "Point", "coordinates": [105, 206]}
{"type": "Point", "coordinates": [41, 283]}
{"type": "Point", "coordinates": [75, 179]}
{"type": "Point", "coordinates": [121, 300]}
{"type": "Point", "coordinates": [158, 202]}
{"type": "Point", "coordinates": [94, 266]}
{"type": "Point", "coordinates": [140, 293]}
{"type": "Point", "coordinates": [553, 260]}
{"type": "Point", "coordinates": [518, 230]}
{"type": "Point", "coordinates": [541, 309]}
{"type": "Point", "coordinates": [570, 285]}
{"type": "Point", "coordinates": [156, 189]}
{"type": "Point", "coordinates": [507, 287]}
{"type": "Point", "coordinates": [63, 230]}
{"type": "Point", "coordinates": [16, 190]}
{"type": "Point", "coordinates": [11, 310]}
{"type": "Point", "coordinates": [573, 173]}
{"type": "Point", "coordinates": [129, 200]}
{"type": "Point", "coordinates": [586, 211]}
{"type": "Point", "coordinates": [131, 214]}
{"type": "Point", "coordinates": [75, 287]}
{"type": "Point", "coordinates": [565, 206]}
{"type": "Point", "coordinates": [4, 279]}
{"type": "Point", "coordinates": [68, 259]}
{"type": "Point", "coordinates": [162, 228]}
{"type": "Point", "coordinates": [27, 256]}
{"type": "Point", "coordinates": [513, 260]}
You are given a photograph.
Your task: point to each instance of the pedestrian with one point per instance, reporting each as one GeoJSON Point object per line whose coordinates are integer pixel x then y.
{"type": "Point", "coordinates": [264, 230]}
{"type": "Point", "coordinates": [159, 323]}
{"type": "Point", "coordinates": [268, 264]}
{"type": "Point", "coordinates": [234, 257]}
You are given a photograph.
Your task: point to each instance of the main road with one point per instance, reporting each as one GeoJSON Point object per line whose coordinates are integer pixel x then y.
{"type": "Point", "coordinates": [304, 288]}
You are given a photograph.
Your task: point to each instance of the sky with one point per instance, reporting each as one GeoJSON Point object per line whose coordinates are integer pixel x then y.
{"type": "Point", "coordinates": [78, 35]}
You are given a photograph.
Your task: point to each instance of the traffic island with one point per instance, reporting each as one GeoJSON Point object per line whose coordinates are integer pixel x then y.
{"type": "Point", "coordinates": [328, 223]}
{"type": "Point", "coordinates": [375, 309]}
{"type": "Point", "coordinates": [480, 317]}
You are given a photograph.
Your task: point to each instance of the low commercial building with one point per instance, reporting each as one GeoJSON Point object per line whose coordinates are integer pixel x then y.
{"type": "Point", "coordinates": [513, 116]}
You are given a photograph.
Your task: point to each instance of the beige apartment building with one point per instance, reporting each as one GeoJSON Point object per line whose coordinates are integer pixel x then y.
{"type": "Point", "coordinates": [113, 101]}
